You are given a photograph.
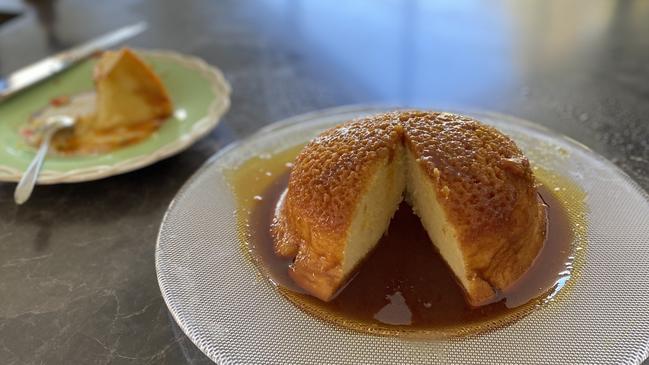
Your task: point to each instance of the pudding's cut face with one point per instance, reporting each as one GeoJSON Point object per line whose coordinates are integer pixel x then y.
{"type": "Point", "coordinates": [475, 194]}
{"type": "Point", "coordinates": [344, 188]}
{"type": "Point", "coordinates": [470, 185]}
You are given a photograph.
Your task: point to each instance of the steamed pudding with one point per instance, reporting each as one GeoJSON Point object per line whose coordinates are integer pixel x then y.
{"type": "Point", "coordinates": [471, 187]}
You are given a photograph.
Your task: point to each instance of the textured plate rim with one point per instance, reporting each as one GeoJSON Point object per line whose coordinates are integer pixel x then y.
{"type": "Point", "coordinates": [330, 112]}
{"type": "Point", "coordinates": [217, 108]}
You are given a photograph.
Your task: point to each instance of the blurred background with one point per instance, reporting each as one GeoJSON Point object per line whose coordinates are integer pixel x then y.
{"type": "Point", "coordinates": [580, 68]}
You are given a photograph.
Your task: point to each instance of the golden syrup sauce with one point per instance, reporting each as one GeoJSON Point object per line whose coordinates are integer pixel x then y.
{"type": "Point", "coordinates": [404, 287]}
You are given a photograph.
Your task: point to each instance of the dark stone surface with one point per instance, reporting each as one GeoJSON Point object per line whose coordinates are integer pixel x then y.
{"type": "Point", "coordinates": [77, 278]}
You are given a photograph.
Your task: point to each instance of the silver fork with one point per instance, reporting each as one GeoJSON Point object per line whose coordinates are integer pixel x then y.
{"type": "Point", "coordinates": [28, 180]}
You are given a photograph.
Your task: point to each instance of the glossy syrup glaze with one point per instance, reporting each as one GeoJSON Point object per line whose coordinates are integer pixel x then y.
{"type": "Point", "coordinates": [404, 287]}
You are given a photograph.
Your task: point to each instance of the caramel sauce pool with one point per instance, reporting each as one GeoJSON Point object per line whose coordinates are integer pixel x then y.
{"type": "Point", "coordinates": [404, 287]}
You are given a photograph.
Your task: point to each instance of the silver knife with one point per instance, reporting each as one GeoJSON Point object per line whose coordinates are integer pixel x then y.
{"type": "Point", "coordinates": [43, 69]}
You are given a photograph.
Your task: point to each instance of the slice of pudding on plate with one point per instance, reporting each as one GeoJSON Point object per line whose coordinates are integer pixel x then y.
{"type": "Point", "coordinates": [130, 102]}
{"type": "Point", "coordinates": [128, 91]}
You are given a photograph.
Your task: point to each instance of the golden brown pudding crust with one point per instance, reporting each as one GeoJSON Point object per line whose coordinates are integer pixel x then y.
{"type": "Point", "coordinates": [487, 190]}
{"type": "Point", "coordinates": [325, 184]}
{"type": "Point", "coordinates": [483, 181]}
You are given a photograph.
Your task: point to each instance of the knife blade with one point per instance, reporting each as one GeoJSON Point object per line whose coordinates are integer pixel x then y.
{"type": "Point", "coordinates": [49, 66]}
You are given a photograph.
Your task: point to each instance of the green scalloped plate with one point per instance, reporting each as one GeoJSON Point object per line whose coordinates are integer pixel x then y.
{"type": "Point", "coordinates": [199, 92]}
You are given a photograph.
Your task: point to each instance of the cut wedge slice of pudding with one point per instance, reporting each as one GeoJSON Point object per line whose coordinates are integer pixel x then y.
{"type": "Point", "coordinates": [472, 188]}
{"type": "Point", "coordinates": [128, 91]}
{"type": "Point", "coordinates": [130, 102]}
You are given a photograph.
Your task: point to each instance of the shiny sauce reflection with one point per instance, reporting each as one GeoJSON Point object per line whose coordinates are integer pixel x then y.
{"type": "Point", "coordinates": [403, 287]}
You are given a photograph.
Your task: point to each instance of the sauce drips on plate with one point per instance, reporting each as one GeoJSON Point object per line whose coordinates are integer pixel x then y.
{"type": "Point", "coordinates": [404, 287]}
{"type": "Point", "coordinates": [83, 140]}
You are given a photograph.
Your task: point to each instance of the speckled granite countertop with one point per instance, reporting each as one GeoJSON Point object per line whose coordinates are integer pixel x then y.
{"type": "Point", "coordinates": [77, 278]}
